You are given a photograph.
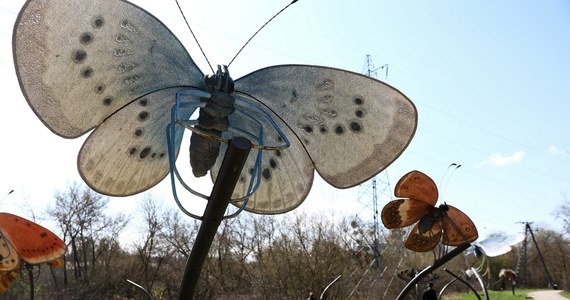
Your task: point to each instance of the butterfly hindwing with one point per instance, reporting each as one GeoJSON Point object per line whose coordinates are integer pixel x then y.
{"type": "Point", "coordinates": [108, 54]}
{"type": "Point", "coordinates": [32, 242]}
{"type": "Point", "coordinates": [352, 126]}
{"type": "Point", "coordinates": [286, 175]}
{"type": "Point", "coordinates": [456, 219]}
{"type": "Point", "coordinates": [128, 153]}
{"type": "Point", "coordinates": [403, 212]}
{"type": "Point", "coordinates": [423, 242]}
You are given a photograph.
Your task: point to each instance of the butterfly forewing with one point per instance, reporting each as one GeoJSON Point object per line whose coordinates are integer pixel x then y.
{"type": "Point", "coordinates": [457, 220]}
{"type": "Point", "coordinates": [404, 212]}
{"type": "Point", "coordinates": [423, 242]}
{"type": "Point", "coordinates": [128, 153]}
{"type": "Point", "coordinates": [79, 61]}
{"type": "Point", "coordinates": [417, 185]}
{"type": "Point", "coordinates": [352, 126]}
{"type": "Point", "coordinates": [33, 243]}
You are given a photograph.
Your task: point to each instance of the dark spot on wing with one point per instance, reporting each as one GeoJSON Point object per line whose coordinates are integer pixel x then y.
{"type": "Point", "coordinates": [272, 163]}
{"type": "Point", "coordinates": [86, 38]}
{"type": "Point", "coordinates": [144, 152]}
{"type": "Point", "coordinates": [339, 129]}
{"type": "Point", "coordinates": [358, 101]}
{"type": "Point", "coordinates": [359, 113]}
{"type": "Point", "coordinates": [107, 101]}
{"type": "Point", "coordinates": [355, 127]}
{"type": "Point", "coordinates": [143, 102]}
{"type": "Point", "coordinates": [79, 56]}
{"type": "Point", "coordinates": [99, 88]}
{"type": "Point", "coordinates": [87, 72]}
{"type": "Point", "coordinates": [98, 22]}
{"type": "Point", "coordinates": [266, 173]}
{"type": "Point", "coordinates": [143, 116]}
{"type": "Point", "coordinates": [307, 128]}
{"type": "Point", "coordinates": [139, 132]}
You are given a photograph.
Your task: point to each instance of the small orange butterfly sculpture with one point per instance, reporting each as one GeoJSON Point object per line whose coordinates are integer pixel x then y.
{"type": "Point", "coordinates": [25, 240]}
{"type": "Point", "coordinates": [445, 223]}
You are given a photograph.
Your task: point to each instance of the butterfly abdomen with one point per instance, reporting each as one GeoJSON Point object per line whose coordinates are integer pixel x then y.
{"type": "Point", "coordinates": [203, 152]}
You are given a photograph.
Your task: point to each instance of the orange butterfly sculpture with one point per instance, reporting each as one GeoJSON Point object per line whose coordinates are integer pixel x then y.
{"type": "Point", "coordinates": [419, 195]}
{"type": "Point", "coordinates": [25, 240]}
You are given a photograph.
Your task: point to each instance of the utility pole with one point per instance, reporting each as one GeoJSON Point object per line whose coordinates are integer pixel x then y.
{"type": "Point", "coordinates": [525, 279]}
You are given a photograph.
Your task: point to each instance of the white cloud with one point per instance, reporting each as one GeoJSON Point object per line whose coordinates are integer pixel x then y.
{"type": "Point", "coordinates": [502, 160]}
{"type": "Point", "coordinates": [557, 151]}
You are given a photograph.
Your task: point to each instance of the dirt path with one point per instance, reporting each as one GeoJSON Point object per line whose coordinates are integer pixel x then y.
{"type": "Point", "coordinates": [547, 295]}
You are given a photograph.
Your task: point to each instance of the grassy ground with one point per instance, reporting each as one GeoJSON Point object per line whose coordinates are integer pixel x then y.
{"type": "Point", "coordinates": [493, 295]}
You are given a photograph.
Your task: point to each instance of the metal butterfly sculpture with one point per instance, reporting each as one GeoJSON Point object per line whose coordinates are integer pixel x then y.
{"type": "Point", "coordinates": [111, 67]}
{"type": "Point", "coordinates": [25, 241]}
{"type": "Point", "coordinates": [495, 245]}
{"type": "Point", "coordinates": [433, 224]}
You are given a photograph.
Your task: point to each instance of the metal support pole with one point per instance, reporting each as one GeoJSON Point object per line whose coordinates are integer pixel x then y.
{"type": "Point", "coordinates": [436, 264]}
{"type": "Point", "coordinates": [230, 170]}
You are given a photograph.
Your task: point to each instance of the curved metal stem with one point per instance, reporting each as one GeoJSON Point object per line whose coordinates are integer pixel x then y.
{"type": "Point", "coordinates": [148, 296]}
{"type": "Point", "coordinates": [436, 264]}
{"type": "Point", "coordinates": [464, 282]}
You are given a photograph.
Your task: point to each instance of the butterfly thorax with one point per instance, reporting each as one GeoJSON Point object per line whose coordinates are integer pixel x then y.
{"type": "Point", "coordinates": [213, 120]}
{"type": "Point", "coordinates": [435, 215]}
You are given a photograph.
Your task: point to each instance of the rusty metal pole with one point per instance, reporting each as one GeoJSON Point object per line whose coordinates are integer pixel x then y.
{"type": "Point", "coordinates": [230, 170]}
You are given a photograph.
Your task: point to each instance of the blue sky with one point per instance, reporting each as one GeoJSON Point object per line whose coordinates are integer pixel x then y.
{"type": "Point", "coordinates": [489, 79]}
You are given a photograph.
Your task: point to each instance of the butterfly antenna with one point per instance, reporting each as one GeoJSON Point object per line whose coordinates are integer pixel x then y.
{"type": "Point", "coordinates": [10, 192]}
{"type": "Point", "coordinates": [271, 19]}
{"type": "Point", "coordinates": [444, 186]}
{"type": "Point", "coordinates": [194, 36]}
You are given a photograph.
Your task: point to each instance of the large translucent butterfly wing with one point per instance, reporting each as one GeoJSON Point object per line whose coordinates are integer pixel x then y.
{"type": "Point", "coordinates": [426, 241]}
{"type": "Point", "coordinates": [417, 185]}
{"type": "Point", "coordinates": [107, 57]}
{"type": "Point", "coordinates": [458, 227]}
{"type": "Point", "coordinates": [128, 153]}
{"type": "Point", "coordinates": [345, 125]}
{"type": "Point", "coordinates": [498, 245]}
{"type": "Point", "coordinates": [351, 125]}
{"type": "Point", "coordinates": [79, 62]}
{"type": "Point", "coordinates": [32, 242]}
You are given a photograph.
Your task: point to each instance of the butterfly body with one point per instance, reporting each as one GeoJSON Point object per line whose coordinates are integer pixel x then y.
{"type": "Point", "coordinates": [435, 215]}
{"type": "Point", "coordinates": [213, 120]}
{"type": "Point", "coordinates": [432, 224]}
{"type": "Point", "coordinates": [115, 70]}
